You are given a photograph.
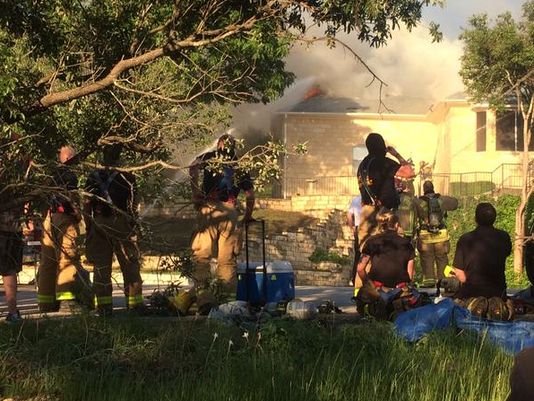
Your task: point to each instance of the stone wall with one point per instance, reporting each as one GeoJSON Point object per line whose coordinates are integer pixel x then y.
{"type": "Point", "coordinates": [182, 210]}
{"type": "Point", "coordinates": [331, 234]}
{"type": "Point", "coordinates": [318, 206]}
{"type": "Point", "coordinates": [314, 205]}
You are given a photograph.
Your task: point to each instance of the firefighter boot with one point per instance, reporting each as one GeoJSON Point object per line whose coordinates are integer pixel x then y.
{"type": "Point", "coordinates": [183, 301]}
{"type": "Point", "coordinates": [206, 301]}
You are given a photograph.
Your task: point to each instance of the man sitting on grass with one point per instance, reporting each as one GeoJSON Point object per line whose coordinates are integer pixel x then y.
{"type": "Point", "coordinates": [479, 265]}
{"type": "Point", "coordinates": [386, 289]}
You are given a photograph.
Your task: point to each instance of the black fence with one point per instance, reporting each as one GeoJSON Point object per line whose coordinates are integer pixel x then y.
{"type": "Point", "coordinates": [506, 178]}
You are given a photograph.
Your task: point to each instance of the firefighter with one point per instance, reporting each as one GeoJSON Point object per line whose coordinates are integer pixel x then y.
{"type": "Point", "coordinates": [110, 218]}
{"type": "Point", "coordinates": [62, 281]}
{"type": "Point", "coordinates": [376, 181]}
{"type": "Point", "coordinates": [433, 238]}
{"type": "Point", "coordinates": [407, 211]}
{"type": "Point", "coordinates": [218, 227]}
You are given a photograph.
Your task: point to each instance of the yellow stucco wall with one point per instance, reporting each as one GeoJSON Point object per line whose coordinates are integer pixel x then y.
{"type": "Point", "coordinates": [468, 164]}
{"type": "Point", "coordinates": [445, 138]}
{"type": "Point", "coordinates": [331, 139]}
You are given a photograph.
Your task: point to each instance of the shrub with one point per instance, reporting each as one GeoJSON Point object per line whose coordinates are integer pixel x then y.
{"type": "Point", "coordinates": [320, 255]}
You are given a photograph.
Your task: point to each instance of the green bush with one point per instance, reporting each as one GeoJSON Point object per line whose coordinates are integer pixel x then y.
{"type": "Point", "coordinates": [320, 255]}
{"type": "Point", "coordinates": [470, 188]}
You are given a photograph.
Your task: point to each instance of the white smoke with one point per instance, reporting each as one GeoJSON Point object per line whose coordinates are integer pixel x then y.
{"type": "Point", "coordinates": [410, 65]}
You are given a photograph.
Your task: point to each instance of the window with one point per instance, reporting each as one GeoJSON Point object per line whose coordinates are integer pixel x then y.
{"type": "Point", "coordinates": [358, 153]}
{"type": "Point", "coordinates": [481, 131]}
{"type": "Point", "coordinates": [509, 131]}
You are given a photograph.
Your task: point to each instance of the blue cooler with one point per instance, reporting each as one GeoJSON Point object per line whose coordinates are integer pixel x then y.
{"type": "Point", "coordinates": [280, 282]}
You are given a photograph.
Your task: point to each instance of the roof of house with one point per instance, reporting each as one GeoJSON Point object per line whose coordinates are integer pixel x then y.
{"type": "Point", "coordinates": [389, 105]}
{"type": "Point", "coordinates": [457, 96]}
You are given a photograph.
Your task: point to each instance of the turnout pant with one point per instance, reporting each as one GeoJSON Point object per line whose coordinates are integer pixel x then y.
{"type": "Point", "coordinates": [110, 235]}
{"type": "Point", "coordinates": [60, 270]}
{"type": "Point", "coordinates": [217, 236]}
{"type": "Point", "coordinates": [434, 258]}
{"type": "Point", "coordinates": [368, 224]}
{"type": "Point", "coordinates": [367, 228]}
{"type": "Point", "coordinates": [356, 255]}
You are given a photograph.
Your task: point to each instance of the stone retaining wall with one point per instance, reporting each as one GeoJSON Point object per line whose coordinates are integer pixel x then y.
{"type": "Point", "coordinates": [331, 234]}
{"type": "Point", "coordinates": [297, 247]}
{"type": "Point", "coordinates": [317, 206]}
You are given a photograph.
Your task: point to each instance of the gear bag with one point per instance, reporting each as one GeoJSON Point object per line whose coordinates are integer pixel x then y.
{"type": "Point", "coordinates": [103, 201]}
{"type": "Point", "coordinates": [435, 213]}
{"type": "Point", "coordinates": [384, 303]}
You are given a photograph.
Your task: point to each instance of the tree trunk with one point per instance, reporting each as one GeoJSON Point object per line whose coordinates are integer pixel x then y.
{"type": "Point", "coordinates": [519, 235]}
{"type": "Point", "coordinates": [519, 244]}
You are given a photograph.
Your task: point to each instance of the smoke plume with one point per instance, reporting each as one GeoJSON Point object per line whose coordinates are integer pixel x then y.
{"type": "Point", "coordinates": [410, 65]}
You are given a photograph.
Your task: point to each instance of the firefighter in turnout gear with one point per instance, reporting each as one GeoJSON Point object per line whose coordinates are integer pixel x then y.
{"type": "Point", "coordinates": [110, 215]}
{"type": "Point", "coordinates": [218, 232]}
{"type": "Point", "coordinates": [376, 181]}
{"type": "Point", "coordinates": [62, 281]}
{"type": "Point", "coordinates": [433, 238]}
{"type": "Point", "coordinates": [407, 211]}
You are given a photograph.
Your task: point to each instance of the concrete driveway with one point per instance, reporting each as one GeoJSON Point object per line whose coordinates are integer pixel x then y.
{"type": "Point", "coordinates": [27, 297]}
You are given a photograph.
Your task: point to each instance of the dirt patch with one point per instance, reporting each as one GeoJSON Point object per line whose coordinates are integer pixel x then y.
{"type": "Point", "coordinates": [278, 221]}
{"type": "Point", "coordinates": [167, 234]}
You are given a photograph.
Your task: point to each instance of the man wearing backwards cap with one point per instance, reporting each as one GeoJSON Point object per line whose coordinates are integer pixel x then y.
{"type": "Point", "coordinates": [376, 180]}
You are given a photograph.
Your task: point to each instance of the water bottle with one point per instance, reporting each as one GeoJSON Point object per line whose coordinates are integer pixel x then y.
{"type": "Point", "coordinates": [301, 310]}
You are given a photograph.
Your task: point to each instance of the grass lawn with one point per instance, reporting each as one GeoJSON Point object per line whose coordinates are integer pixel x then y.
{"type": "Point", "coordinates": [85, 358]}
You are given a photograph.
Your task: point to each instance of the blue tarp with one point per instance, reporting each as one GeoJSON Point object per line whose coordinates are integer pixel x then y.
{"type": "Point", "coordinates": [512, 336]}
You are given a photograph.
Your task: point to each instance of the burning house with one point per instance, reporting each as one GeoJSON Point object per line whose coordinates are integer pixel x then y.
{"type": "Point", "coordinates": [461, 146]}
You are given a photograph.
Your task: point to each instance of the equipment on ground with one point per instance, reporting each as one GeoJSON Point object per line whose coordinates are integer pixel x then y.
{"type": "Point", "coordinates": [259, 283]}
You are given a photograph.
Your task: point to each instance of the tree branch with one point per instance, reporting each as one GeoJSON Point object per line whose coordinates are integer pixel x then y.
{"type": "Point", "coordinates": [208, 37]}
{"type": "Point", "coordinates": [375, 77]}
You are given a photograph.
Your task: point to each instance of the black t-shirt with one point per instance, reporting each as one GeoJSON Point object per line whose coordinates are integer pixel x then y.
{"type": "Point", "coordinates": [223, 185]}
{"type": "Point", "coordinates": [389, 254]}
{"type": "Point", "coordinates": [117, 188]}
{"type": "Point", "coordinates": [482, 254]}
{"type": "Point", "coordinates": [376, 180]}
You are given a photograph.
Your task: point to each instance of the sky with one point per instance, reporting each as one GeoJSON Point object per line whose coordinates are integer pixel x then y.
{"type": "Point", "coordinates": [456, 13]}
{"type": "Point", "coordinates": [410, 65]}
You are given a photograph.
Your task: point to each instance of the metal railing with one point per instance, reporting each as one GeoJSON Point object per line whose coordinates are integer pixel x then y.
{"type": "Point", "coordinates": [505, 178]}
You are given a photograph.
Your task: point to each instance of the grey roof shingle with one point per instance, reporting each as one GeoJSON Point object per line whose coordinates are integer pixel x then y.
{"type": "Point", "coordinates": [390, 105]}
